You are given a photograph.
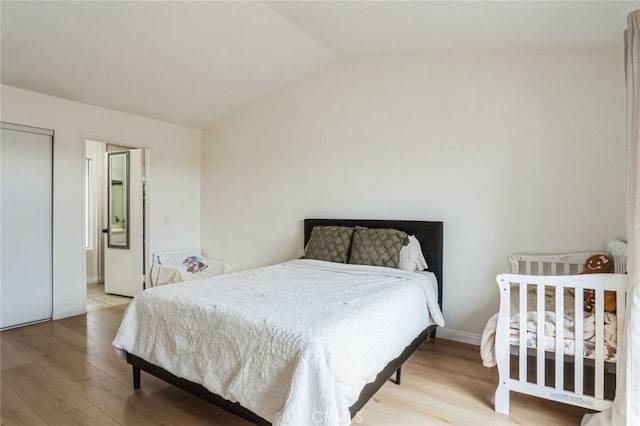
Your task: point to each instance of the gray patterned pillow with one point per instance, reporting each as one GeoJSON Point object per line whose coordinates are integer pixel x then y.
{"type": "Point", "coordinates": [330, 243]}
{"type": "Point", "coordinates": [377, 247]}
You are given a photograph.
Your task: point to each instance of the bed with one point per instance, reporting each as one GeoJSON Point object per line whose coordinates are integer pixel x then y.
{"type": "Point", "coordinates": [309, 341]}
{"type": "Point", "coordinates": [545, 295]}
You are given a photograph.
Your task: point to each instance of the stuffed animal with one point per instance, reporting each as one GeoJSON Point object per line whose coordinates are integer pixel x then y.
{"type": "Point", "coordinates": [599, 264]}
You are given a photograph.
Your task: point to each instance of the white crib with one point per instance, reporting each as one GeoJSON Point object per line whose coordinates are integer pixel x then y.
{"type": "Point", "coordinates": [168, 267]}
{"type": "Point", "coordinates": [539, 372]}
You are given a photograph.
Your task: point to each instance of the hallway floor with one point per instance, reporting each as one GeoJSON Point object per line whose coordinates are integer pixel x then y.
{"type": "Point", "coordinates": [98, 299]}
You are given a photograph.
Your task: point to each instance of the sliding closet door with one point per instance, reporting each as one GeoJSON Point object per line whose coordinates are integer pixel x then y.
{"type": "Point", "coordinates": [25, 225]}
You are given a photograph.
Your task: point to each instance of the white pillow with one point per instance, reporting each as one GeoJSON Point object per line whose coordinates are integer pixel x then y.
{"type": "Point", "coordinates": [176, 258]}
{"type": "Point", "coordinates": [411, 257]}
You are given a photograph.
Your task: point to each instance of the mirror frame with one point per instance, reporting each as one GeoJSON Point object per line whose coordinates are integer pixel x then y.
{"type": "Point", "coordinates": [111, 243]}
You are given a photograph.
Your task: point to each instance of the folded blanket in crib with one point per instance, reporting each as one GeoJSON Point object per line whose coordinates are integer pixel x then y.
{"type": "Point", "coordinates": [487, 345]}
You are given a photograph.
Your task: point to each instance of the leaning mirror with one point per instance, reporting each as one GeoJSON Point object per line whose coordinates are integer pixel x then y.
{"type": "Point", "coordinates": [118, 188]}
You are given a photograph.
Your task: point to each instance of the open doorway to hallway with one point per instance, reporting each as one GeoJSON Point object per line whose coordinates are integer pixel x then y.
{"type": "Point", "coordinates": [115, 226]}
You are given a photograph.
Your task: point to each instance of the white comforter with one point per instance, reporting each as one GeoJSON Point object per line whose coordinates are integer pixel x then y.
{"type": "Point", "coordinates": [294, 342]}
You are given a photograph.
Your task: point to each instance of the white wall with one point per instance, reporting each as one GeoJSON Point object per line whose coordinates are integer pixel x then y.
{"type": "Point", "coordinates": [173, 187]}
{"type": "Point", "coordinates": [514, 151]}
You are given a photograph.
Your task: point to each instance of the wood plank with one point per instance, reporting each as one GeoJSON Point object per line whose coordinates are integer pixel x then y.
{"type": "Point", "coordinates": [58, 361]}
{"type": "Point", "coordinates": [108, 361]}
{"type": "Point", "coordinates": [59, 334]}
{"type": "Point", "coordinates": [51, 399]}
{"type": "Point", "coordinates": [73, 358]}
{"type": "Point", "coordinates": [10, 356]}
{"type": "Point", "coordinates": [109, 317]}
{"type": "Point", "coordinates": [169, 406]}
{"type": "Point", "coordinates": [14, 411]}
{"type": "Point", "coordinates": [93, 330]}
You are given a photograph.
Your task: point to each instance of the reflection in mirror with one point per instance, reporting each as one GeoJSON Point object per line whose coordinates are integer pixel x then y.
{"type": "Point", "coordinates": [118, 236]}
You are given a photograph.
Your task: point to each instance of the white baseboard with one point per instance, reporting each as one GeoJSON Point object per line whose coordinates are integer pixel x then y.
{"type": "Point", "coordinates": [94, 280]}
{"type": "Point", "coordinates": [66, 314]}
{"type": "Point", "coordinates": [458, 336]}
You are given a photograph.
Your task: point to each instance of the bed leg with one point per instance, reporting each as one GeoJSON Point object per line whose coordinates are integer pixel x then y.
{"type": "Point", "coordinates": [502, 398]}
{"type": "Point", "coordinates": [398, 372]}
{"type": "Point", "coordinates": [136, 378]}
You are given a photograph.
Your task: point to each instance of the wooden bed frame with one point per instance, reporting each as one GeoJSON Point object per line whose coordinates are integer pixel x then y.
{"type": "Point", "coordinates": [430, 235]}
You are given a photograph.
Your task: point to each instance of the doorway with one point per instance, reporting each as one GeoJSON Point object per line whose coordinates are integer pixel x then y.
{"type": "Point", "coordinates": [116, 227]}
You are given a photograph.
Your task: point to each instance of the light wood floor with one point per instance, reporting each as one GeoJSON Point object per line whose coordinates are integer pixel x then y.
{"type": "Point", "coordinates": [65, 372]}
{"type": "Point", "coordinates": [98, 299]}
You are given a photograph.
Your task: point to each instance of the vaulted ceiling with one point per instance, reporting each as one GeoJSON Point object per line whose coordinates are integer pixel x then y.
{"type": "Point", "coordinates": [194, 63]}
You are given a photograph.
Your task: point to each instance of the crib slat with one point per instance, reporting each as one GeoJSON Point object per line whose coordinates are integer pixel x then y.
{"type": "Point", "coordinates": [599, 356]}
{"type": "Point", "coordinates": [540, 314]}
{"type": "Point", "coordinates": [567, 269]}
{"type": "Point", "coordinates": [522, 358]}
{"type": "Point", "coordinates": [559, 373]}
{"type": "Point", "coordinates": [579, 342]}
{"type": "Point", "coordinates": [621, 305]}
{"type": "Point", "coordinates": [553, 268]}
{"type": "Point", "coordinates": [540, 268]}
{"type": "Point", "coordinates": [503, 353]}
{"type": "Point", "coordinates": [527, 268]}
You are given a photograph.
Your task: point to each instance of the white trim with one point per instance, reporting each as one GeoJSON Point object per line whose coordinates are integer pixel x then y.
{"type": "Point", "coordinates": [27, 129]}
{"type": "Point", "coordinates": [26, 324]}
{"type": "Point", "coordinates": [567, 397]}
{"type": "Point", "coordinates": [67, 314]}
{"type": "Point", "coordinates": [458, 336]}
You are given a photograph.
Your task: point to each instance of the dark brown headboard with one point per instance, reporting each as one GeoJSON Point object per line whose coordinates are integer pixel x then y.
{"type": "Point", "coordinates": [430, 235]}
